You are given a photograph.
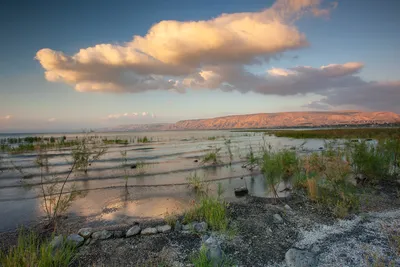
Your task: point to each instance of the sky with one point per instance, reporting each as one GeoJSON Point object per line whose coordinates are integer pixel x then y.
{"type": "Point", "coordinates": [90, 64]}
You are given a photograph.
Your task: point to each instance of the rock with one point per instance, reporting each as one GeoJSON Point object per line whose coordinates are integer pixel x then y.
{"type": "Point", "coordinates": [187, 227]}
{"type": "Point", "coordinates": [204, 238]}
{"type": "Point", "coordinates": [101, 235]}
{"type": "Point", "coordinates": [178, 226]}
{"type": "Point", "coordinates": [200, 227]}
{"type": "Point", "coordinates": [57, 242]}
{"type": "Point", "coordinates": [278, 218]}
{"type": "Point", "coordinates": [196, 160]}
{"type": "Point", "coordinates": [287, 207]}
{"type": "Point", "coordinates": [149, 231]}
{"type": "Point", "coordinates": [299, 258]}
{"type": "Point", "coordinates": [133, 231]}
{"type": "Point", "coordinates": [75, 240]}
{"type": "Point", "coordinates": [118, 234]}
{"type": "Point", "coordinates": [321, 148]}
{"type": "Point", "coordinates": [163, 228]}
{"type": "Point", "coordinates": [213, 251]}
{"type": "Point", "coordinates": [133, 166]}
{"type": "Point", "coordinates": [85, 232]}
{"type": "Point", "coordinates": [88, 242]}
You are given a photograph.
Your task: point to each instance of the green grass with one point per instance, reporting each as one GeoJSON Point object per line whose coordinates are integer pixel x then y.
{"type": "Point", "coordinates": [31, 251]}
{"type": "Point", "coordinates": [211, 210]}
{"type": "Point", "coordinates": [212, 157]}
{"type": "Point", "coordinates": [143, 140]}
{"type": "Point", "coordinates": [198, 183]}
{"type": "Point", "coordinates": [116, 141]}
{"type": "Point", "coordinates": [200, 259]}
{"type": "Point", "coordinates": [375, 133]}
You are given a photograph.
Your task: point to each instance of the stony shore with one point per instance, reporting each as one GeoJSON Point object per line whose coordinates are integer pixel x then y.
{"type": "Point", "coordinates": [291, 233]}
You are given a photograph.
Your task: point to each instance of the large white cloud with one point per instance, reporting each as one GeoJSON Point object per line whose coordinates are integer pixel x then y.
{"type": "Point", "coordinates": [173, 51]}
{"type": "Point", "coordinates": [215, 54]}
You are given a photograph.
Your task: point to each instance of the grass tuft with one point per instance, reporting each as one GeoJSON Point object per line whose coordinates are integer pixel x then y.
{"type": "Point", "coordinates": [211, 210]}
{"type": "Point", "coordinates": [31, 251]}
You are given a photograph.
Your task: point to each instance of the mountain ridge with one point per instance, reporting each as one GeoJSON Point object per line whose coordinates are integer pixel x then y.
{"type": "Point", "coordinates": [274, 120]}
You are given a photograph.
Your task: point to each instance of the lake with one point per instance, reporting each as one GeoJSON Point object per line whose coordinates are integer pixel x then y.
{"type": "Point", "coordinates": [160, 187]}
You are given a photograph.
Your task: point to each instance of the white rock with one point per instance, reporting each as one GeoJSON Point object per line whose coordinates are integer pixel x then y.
{"type": "Point", "coordinates": [133, 231]}
{"type": "Point", "coordinates": [85, 232]}
{"type": "Point", "coordinates": [163, 228]}
{"type": "Point", "coordinates": [149, 231]}
{"type": "Point", "coordinates": [101, 235]}
{"type": "Point", "coordinates": [299, 258]}
{"type": "Point", "coordinates": [278, 218]}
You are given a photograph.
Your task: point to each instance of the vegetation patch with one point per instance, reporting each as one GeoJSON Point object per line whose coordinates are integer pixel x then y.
{"type": "Point", "coordinates": [375, 133]}
{"type": "Point", "coordinates": [31, 250]}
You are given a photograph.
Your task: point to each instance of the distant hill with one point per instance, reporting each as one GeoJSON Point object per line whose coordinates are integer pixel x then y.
{"type": "Point", "coordinates": [139, 127]}
{"type": "Point", "coordinates": [274, 120]}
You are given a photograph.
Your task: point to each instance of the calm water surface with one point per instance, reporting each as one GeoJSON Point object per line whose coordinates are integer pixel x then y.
{"type": "Point", "coordinates": [160, 188]}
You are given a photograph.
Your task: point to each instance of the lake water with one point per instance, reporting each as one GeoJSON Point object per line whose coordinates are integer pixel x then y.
{"type": "Point", "coordinates": [159, 188]}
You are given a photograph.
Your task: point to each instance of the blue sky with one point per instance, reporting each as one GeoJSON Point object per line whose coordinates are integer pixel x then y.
{"type": "Point", "coordinates": [365, 32]}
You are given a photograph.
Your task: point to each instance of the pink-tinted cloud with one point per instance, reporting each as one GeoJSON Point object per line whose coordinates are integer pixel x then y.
{"type": "Point", "coordinates": [130, 115]}
{"type": "Point", "coordinates": [6, 117]}
{"type": "Point", "coordinates": [183, 50]}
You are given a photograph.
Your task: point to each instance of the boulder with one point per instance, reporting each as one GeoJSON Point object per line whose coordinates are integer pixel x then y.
{"type": "Point", "coordinates": [75, 240]}
{"type": "Point", "coordinates": [101, 235]}
{"type": "Point", "coordinates": [287, 207]}
{"type": "Point", "coordinates": [299, 258]}
{"type": "Point", "coordinates": [200, 227]}
{"type": "Point", "coordinates": [57, 242]}
{"type": "Point", "coordinates": [178, 226]}
{"type": "Point", "coordinates": [149, 231]}
{"type": "Point", "coordinates": [133, 231]}
{"type": "Point", "coordinates": [85, 232]}
{"type": "Point", "coordinates": [187, 227]}
{"type": "Point", "coordinates": [163, 228]}
{"type": "Point", "coordinates": [278, 218]}
{"type": "Point", "coordinates": [118, 234]}
{"type": "Point", "coordinates": [213, 251]}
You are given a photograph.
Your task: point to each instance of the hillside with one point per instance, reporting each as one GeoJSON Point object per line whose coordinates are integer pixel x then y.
{"type": "Point", "coordinates": [270, 120]}
{"type": "Point", "coordinates": [290, 119]}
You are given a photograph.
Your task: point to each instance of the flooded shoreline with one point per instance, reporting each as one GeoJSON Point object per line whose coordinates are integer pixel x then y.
{"type": "Point", "coordinates": [168, 160]}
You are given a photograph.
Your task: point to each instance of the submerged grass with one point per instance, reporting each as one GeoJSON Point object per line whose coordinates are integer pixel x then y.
{"type": "Point", "coordinates": [32, 251]}
{"type": "Point", "coordinates": [197, 183]}
{"type": "Point", "coordinates": [212, 157]}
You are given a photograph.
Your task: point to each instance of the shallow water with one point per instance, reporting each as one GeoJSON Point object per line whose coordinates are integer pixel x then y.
{"type": "Point", "coordinates": [159, 188]}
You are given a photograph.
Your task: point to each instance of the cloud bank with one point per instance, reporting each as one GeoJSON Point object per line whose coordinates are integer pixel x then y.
{"type": "Point", "coordinates": [214, 54]}
{"type": "Point", "coordinates": [130, 115]}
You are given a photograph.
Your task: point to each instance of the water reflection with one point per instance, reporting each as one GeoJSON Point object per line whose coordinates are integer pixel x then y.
{"type": "Point", "coordinates": [168, 163]}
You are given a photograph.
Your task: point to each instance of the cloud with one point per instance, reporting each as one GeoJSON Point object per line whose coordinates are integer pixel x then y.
{"type": "Point", "coordinates": [370, 95]}
{"type": "Point", "coordinates": [6, 117]}
{"type": "Point", "coordinates": [173, 55]}
{"type": "Point", "coordinates": [130, 115]}
{"type": "Point", "coordinates": [51, 120]}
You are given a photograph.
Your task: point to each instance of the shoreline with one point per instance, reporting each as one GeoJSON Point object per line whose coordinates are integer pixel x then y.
{"type": "Point", "coordinates": [259, 239]}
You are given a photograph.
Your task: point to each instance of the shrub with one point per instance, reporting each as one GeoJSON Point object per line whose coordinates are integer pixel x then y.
{"type": "Point", "coordinates": [31, 251]}
{"type": "Point", "coordinates": [371, 161]}
{"type": "Point", "coordinates": [212, 157]}
{"type": "Point", "coordinates": [85, 153]}
{"type": "Point", "coordinates": [326, 179]}
{"type": "Point", "coordinates": [198, 184]}
{"type": "Point", "coordinates": [211, 210]}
